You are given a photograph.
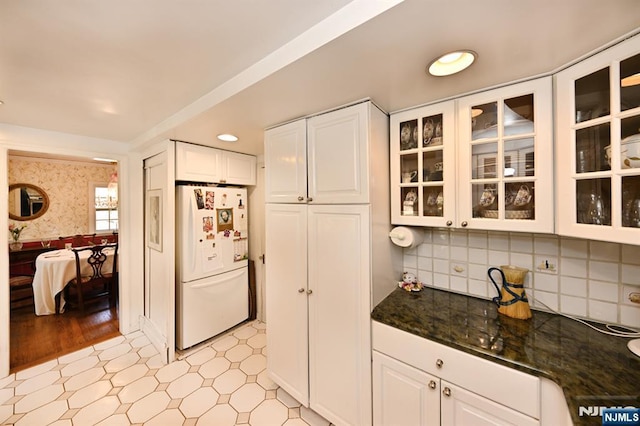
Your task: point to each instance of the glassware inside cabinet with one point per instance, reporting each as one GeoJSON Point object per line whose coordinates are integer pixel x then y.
{"type": "Point", "coordinates": [592, 94]}
{"type": "Point", "coordinates": [631, 201]}
{"type": "Point", "coordinates": [433, 197]}
{"type": "Point", "coordinates": [408, 168]}
{"type": "Point", "coordinates": [593, 201]}
{"type": "Point", "coordinates": [408, 135]}
{"type": "Point", "coordinates": [630, 83]}
{"type": "Point", "coordinates": [432, 166]}
{"type": "Point", "coordinates": [592, 148]}
{"type": "Point", "coordinates": [409, 201]}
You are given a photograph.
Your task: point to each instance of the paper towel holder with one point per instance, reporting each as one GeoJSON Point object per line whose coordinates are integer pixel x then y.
{"type": "Point", "coordinates": [406, 237]}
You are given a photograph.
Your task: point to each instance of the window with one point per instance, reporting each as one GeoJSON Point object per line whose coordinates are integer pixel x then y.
{"type": "Point", "coordinates": [105, 212]}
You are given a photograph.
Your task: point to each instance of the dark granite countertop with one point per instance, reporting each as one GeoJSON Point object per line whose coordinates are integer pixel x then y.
{"type": "Point", "coordinates": [593, 369]}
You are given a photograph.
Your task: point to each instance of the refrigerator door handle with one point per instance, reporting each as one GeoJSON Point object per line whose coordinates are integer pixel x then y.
{"type": "Point", "coordinates": [191, 237]}
{"type": "Point", "coordinates": [223, 278]}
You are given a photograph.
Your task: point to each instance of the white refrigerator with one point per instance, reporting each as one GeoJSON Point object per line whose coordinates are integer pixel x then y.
{"type": "Point", "coordinates": [212, 284]}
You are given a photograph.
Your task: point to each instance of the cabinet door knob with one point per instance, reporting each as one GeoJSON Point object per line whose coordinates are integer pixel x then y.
{"type": "Point", "coordinates": [301, 290]}
{"type": "Point", "coordinates": [449, 223]}
{"type": "Point", "coordinates": [439, 363]}
{"type": "Point", "coordinates": [310, 199]}
{"type": "Point", "coordinates": [309, 291]}
{"type": "Point", "coordinates": [446, 391]}
{"type": "Point", "coordinates": [300, 198]}
{"type": "Point", "coordinates": [464, 224]}
{"type": "Point", "coordinates": [432, 384]}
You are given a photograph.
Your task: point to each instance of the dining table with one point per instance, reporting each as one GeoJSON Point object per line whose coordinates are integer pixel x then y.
{"type": "Point", "coordinates": [54, 270]}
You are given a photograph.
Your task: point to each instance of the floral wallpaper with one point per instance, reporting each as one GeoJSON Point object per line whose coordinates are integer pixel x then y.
{"type": "Point", "coordinates": [67, 185]}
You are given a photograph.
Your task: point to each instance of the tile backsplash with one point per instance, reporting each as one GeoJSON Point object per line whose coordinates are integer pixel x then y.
{"type": "Point", "coordinates": [583, 278]}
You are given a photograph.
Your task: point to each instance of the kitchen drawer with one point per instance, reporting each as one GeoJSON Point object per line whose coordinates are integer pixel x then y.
{"type": "Point", "coordinates": [501, 384]}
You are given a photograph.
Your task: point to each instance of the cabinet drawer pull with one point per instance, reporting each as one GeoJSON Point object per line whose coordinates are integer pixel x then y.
{"type": "Point", "coordinates": [301, 290]}
{"type": "Point", "coordinates": [300, 198]}
{"type": "Point", "coordinates": [432, 384]}
{"type": "Point", "coordinates": [449, 223]}
{"type": "Point", "coordinates": [310, 199]}
{"type": "Point", "coordinates": [446, 391]}
{"type": "Point", "coordinates": [439, 363]}
{"type": "Point", "coordinates": [464, 224]}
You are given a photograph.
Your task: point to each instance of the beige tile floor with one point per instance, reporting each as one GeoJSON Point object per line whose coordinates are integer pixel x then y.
{"type": "Point", "coordinates": [123, 382]}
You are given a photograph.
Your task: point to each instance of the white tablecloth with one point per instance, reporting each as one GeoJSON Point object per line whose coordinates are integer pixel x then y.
{"type": "Point", "coordinates": [54, 269]}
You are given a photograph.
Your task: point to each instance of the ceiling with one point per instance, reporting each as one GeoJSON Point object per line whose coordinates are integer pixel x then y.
{"type": "Point", "coordinates": [143, 70]}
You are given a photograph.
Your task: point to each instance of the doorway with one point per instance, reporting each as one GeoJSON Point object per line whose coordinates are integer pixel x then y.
{"type": "Point", "coordinates": [72, 209]}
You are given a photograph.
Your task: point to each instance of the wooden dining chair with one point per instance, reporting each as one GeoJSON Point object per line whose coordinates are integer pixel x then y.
{"type": "Point", "coordinates": [97, 283]}
{"type": "Point", "coordinates": [78, 240]}
{"type": "Point", "coordinates": [21, 283]}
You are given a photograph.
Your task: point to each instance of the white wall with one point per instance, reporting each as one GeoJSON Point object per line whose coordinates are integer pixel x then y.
{"type": "Point", "coordinates": [591, 279]}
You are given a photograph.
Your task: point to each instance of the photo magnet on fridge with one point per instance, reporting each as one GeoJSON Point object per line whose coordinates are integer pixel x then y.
{"type": "Point", "coordinates": [199, 199]}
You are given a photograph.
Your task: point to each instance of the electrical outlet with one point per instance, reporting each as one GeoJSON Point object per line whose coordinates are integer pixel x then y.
{"type": "Point", "coordinates": [631, 294]}
{"type": "Point", "coordinates": [547, 265]}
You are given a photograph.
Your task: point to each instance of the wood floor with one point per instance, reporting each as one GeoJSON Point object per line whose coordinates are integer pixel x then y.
{"type": "Point", "coordinates": [35, 339]}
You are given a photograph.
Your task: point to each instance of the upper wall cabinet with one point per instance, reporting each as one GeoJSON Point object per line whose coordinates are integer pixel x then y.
{"type": "Point", "coordinates": [320, 160]}
{"type": "Point", "coordinates": [286, 159]}
{"type": "Point", "coordinates": [482, 161]}
{"type": "Point", "coordinates": [598, 140]}
{"type": "Point", "coordinates": [423, 166]}
{"type": "Point", "coordinates": [205, 164]}
{"type": "Point", "coordinates": [505, 158]}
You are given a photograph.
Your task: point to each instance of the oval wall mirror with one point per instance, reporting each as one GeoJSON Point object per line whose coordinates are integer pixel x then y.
{"type": "Point", "coordinates": [26, 201]}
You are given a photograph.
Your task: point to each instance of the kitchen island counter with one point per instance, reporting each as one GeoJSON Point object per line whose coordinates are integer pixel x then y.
{"type": "Point", "coordinates": [593, 369]}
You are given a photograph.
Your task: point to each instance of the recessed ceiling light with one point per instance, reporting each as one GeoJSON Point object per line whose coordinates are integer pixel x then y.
{"type": "Point", "coordinates": [451, 63]}
{"type": "Point", "coordinates": [227, 137]}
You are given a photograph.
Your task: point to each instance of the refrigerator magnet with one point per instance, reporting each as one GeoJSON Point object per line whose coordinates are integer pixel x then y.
{"type": "Point", "coordinates": [225, 219]}
{"type": "Point", "coordinates": [207, 223]}
{"type": "Point", "coordinates": [199, 198]}
{"type": "Point", "coordinates": [209, 200]}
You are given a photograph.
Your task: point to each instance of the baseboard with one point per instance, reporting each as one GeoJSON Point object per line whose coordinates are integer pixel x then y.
{"type": "Point", "coordinates": [155, 336]}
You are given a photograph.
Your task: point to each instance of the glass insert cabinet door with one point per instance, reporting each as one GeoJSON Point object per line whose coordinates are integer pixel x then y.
{"type": "Point", "coordinates": [599, 134]}
{"type": "Point", "coordinates": [422, 169]}
{"type": "Point", "coordinates": [505, 158]}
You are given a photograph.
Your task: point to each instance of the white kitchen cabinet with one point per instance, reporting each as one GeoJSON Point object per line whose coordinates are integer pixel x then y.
{"type": "Point", "coordinates": [403, 395]}
{"type": "Point", "coordinates": [285, 151]}
{"type": "Point", "coordinates": [598, 138]}
{"type": "Point", "coordinates": [471, 390]}
{"type": "Point", "coordinates": [322, 159]}
{"type": "Point", "coordinates": [319, 304]}
{"type": "Point", "coordinates": [505, 158]}
{"type": "Point", "coordinates": [199, 163]}
{"type": "Point", "coordinates": [423, 166]}
{"type": "Point", "coordinates": [328, 262]}
{"type": "Point", "coordinates": [238, 169]}
{"type": "Point", "coordinates": [483, 161]}
{"type": "Point", "coordinates": [286, 301]}
{"type": "Point", "coordinates": [461, 407]}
